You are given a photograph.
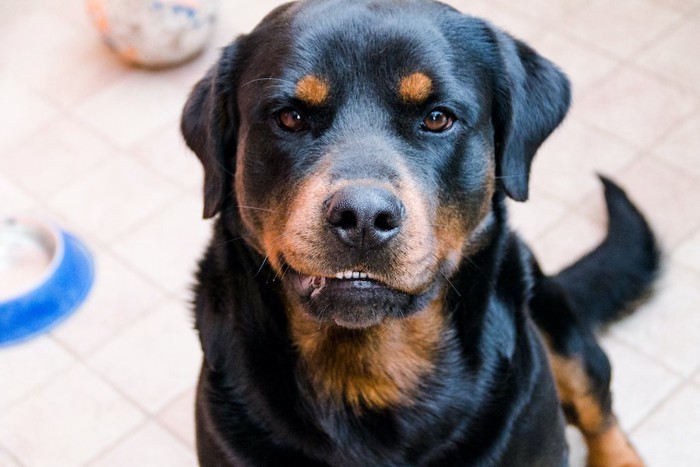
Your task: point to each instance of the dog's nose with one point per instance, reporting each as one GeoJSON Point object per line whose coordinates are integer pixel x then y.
{"type": "Point", "coordinates": [365, 217]}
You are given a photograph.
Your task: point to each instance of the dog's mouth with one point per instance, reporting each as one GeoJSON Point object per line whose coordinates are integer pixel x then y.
{"type": "Point", "coordinates": [350, 299]}
{"type": "Point", "coordinates": [311, 286]}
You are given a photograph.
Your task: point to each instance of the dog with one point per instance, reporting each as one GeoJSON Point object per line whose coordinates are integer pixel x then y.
{"type": "Point", "coordinates": [363, 301]}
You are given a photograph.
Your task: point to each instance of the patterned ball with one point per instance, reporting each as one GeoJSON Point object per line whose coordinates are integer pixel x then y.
{"type": "Point", "coordinates": [154, 33]}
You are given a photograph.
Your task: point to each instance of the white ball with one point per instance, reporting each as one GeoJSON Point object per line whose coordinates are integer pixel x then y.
{"type": "Point", "coordinates": [154, 33]}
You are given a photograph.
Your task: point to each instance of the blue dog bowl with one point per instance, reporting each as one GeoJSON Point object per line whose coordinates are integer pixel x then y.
{"type": "Point", "coordinates": [45, 274]}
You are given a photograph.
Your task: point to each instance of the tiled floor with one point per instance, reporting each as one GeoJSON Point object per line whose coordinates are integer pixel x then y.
{"type": "Point", "coordinates": [95, 145]}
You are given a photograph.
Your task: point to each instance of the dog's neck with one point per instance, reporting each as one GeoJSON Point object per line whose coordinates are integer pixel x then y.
{"type": "Point", "coordinates": [373, 368]}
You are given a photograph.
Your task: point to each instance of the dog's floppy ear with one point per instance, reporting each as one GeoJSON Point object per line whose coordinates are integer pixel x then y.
{"type": "Point", "coordinates": [209, 124]}
{"type": "Point", "coordinates": [532, 98]}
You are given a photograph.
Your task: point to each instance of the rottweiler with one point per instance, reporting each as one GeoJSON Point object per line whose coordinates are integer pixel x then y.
{"type": "Point", "coordinates": [363, 301]}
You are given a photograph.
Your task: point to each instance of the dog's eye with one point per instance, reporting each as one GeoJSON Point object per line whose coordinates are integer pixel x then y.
{"type": "Point", "coordinates": [438, 120]}
{"type": "Point", "coordinates": [291, 120]}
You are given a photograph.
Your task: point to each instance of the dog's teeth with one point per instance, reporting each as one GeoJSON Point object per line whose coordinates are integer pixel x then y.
{"type": "Point", "coordinates": [352, 275]}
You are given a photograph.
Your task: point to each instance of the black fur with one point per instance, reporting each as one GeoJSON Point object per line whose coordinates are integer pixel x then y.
{"type": "Point", "coordinates": [490, 399]}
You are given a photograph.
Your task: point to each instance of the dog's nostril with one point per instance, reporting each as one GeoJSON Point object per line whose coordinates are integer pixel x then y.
{"type": "Point", "coordinates": [385, 221]}
{"type": "Point", "coordinates": [347, 220]}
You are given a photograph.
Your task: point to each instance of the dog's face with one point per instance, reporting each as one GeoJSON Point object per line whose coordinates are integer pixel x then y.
{"type": "Point", "coordinates": [359, 146]}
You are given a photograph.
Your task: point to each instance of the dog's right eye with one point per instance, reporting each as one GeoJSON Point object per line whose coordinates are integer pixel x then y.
{"type": "Point", "coordinates": [291, 120]}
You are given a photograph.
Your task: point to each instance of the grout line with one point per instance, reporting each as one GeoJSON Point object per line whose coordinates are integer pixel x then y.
{"type": "Point", "coordinates": [112, 446]}
{"type": "Point", "coordinates": [39, 387]}
{"type": "Point", "coordinates": [6, 451]}
{"type": "Point", "coordinates": [183, 442]}
{"type": "Point", "coordinates": [655, 408]}
{"type": "Point", "coordinates": [645, 356]}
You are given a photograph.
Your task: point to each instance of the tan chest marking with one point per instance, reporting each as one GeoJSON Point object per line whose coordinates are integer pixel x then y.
{"type": "Point", "coordinates": [374, 368]}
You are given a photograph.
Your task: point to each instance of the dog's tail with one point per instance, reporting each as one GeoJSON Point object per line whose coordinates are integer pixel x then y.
{"type": "Point", "coordinates": [606, 284]}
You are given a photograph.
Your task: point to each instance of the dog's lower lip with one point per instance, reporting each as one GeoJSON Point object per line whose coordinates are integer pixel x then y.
{"type": "Point", "coordinates": [310, 286]}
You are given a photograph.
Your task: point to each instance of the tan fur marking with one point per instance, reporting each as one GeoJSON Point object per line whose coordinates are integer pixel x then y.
{"type": "Point", "coordinates": [415, 88]}
{"type": "Point", "coordinates": [312, 90]}
{"type": "Point", "coordinates": [574, 390]}
{"type": "Point", "coordinates": [375, 367]}
{"type": "Point", "coordinates": [612, 449]}
{"type": "Point", "coordinates": [607, 445]}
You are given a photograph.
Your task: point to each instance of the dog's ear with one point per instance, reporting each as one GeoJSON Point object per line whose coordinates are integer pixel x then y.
{"type": "Point", "coordinates": [209, 124]}
{"type": "Point", "coordinates": [532, 98]}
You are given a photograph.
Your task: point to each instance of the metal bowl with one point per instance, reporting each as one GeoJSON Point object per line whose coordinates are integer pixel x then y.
{"type": "Point", "coordinates": [45, 274]}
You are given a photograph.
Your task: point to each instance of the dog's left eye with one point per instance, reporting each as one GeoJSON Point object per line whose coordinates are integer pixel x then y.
{"type": "Point", "coordinates": [438, 120]}
{"type": "Point", "coordinates": [291, 120]}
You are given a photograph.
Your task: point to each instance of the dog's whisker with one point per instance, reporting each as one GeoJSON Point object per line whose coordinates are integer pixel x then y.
{"type": "Point", "coordinates": [450, 282]}
{"type": "Point", "coordinates": [261, 266]}
{"type": "Point", "coordinates": [231, 240]}
{"type": "Point", "coordinates": [268, 79]}
{"type": "Point", "coordinates": [255, 208]}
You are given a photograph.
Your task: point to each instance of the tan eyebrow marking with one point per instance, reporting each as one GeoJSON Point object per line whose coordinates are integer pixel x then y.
{"type": "Point", "coordinates": [415, 88]}
{"type": "Point", "coordinates": [312, 90]}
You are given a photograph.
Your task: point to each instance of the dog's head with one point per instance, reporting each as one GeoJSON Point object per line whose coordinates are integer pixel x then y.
{"type": "Point", "coordinates": [359, 146]}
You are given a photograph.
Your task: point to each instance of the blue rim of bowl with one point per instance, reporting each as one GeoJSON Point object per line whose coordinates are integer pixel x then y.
{"type": "Point", "coordinates": [55, 295]}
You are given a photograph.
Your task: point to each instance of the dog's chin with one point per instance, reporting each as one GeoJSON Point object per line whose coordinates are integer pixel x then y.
{"type": "Point", "coordinates": [353, 303]}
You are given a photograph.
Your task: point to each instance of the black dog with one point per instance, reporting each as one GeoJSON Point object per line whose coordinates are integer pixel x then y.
{"type": "Point", "coordinates": [363, 302]}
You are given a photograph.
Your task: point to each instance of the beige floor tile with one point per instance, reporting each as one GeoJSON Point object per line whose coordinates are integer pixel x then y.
{"type": "Point", "coordinates": [619, 26]}
{"type": "Point", "coordinates": [76, 12]}
{"type": "Point", "coordinates": [670, 435]}
{"type": "Point", "coordinates": [577, 447]}
{"type": "Point", "coordinates": [667, 197]}
{"type": "Point", "coordinates": [635, 106]}
{"type": "Point", "coordinates": [545, 10]}
{"type": "Point", "coordinates": [150, 445]}
{"type": "Point", "coordinates": [13, 10]}
{"type": "Point", "coordinates": [64, 152]}
{"type": "Point", "coordinates": [113, 197]}
{"type": "Point", "coordinates": [117, 298]}
{"type": "Point", "coordinates": [165, 152]}
{"type": "Point", "coordinates": [688, 252]}
{"type": "Point", "coordinates": [638, 384]}
{"type": "Point", "coordinates": [681, 148]}
{"type": "Point", "coordinates": [670, 57]}
{"type": "Point", "coordinates": [234, 20]}
{"type": "Point", "coordinates": [132, 107]}
{"type": "Point", "coordinates": [43, 64]}
{"type": "Point", "coordinates": [566, 165]}
{"type": "Point", "coordinates": [535, 216]}
{"type": "Point", "coordinates": [72, 79]}
{"type": "Point", "coordinates": [28, 366]}
{"type": "Point", "coordinates": [67, 422]}
{"type": "Point", "coordinates": [567, 241]}
{"type": "Point", "coordinates": [167, 247]}
{"type": "Point", "coordinates": [685, 6]}
{"type": "Point", "coordinates": [29, 111]}
{"type": "Point", "coordinates": [178, 417]}
{"type": "Point", "coordinates": [50, 33]}
{"type": "Point", "coordinates": [186, 75]}
{"type": "Point", "coordinates": [13, 200]}
{"type": "Point", "coordinates": [584, 65]}
{"type": "Point", "coordinates": [6, 459]}
{"type": "Point", "coordinates": [513, 22]}
{"type": "Point", "coordinates": [154, 360]}
{"type": "Point", "coordinates": [667, 327]}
